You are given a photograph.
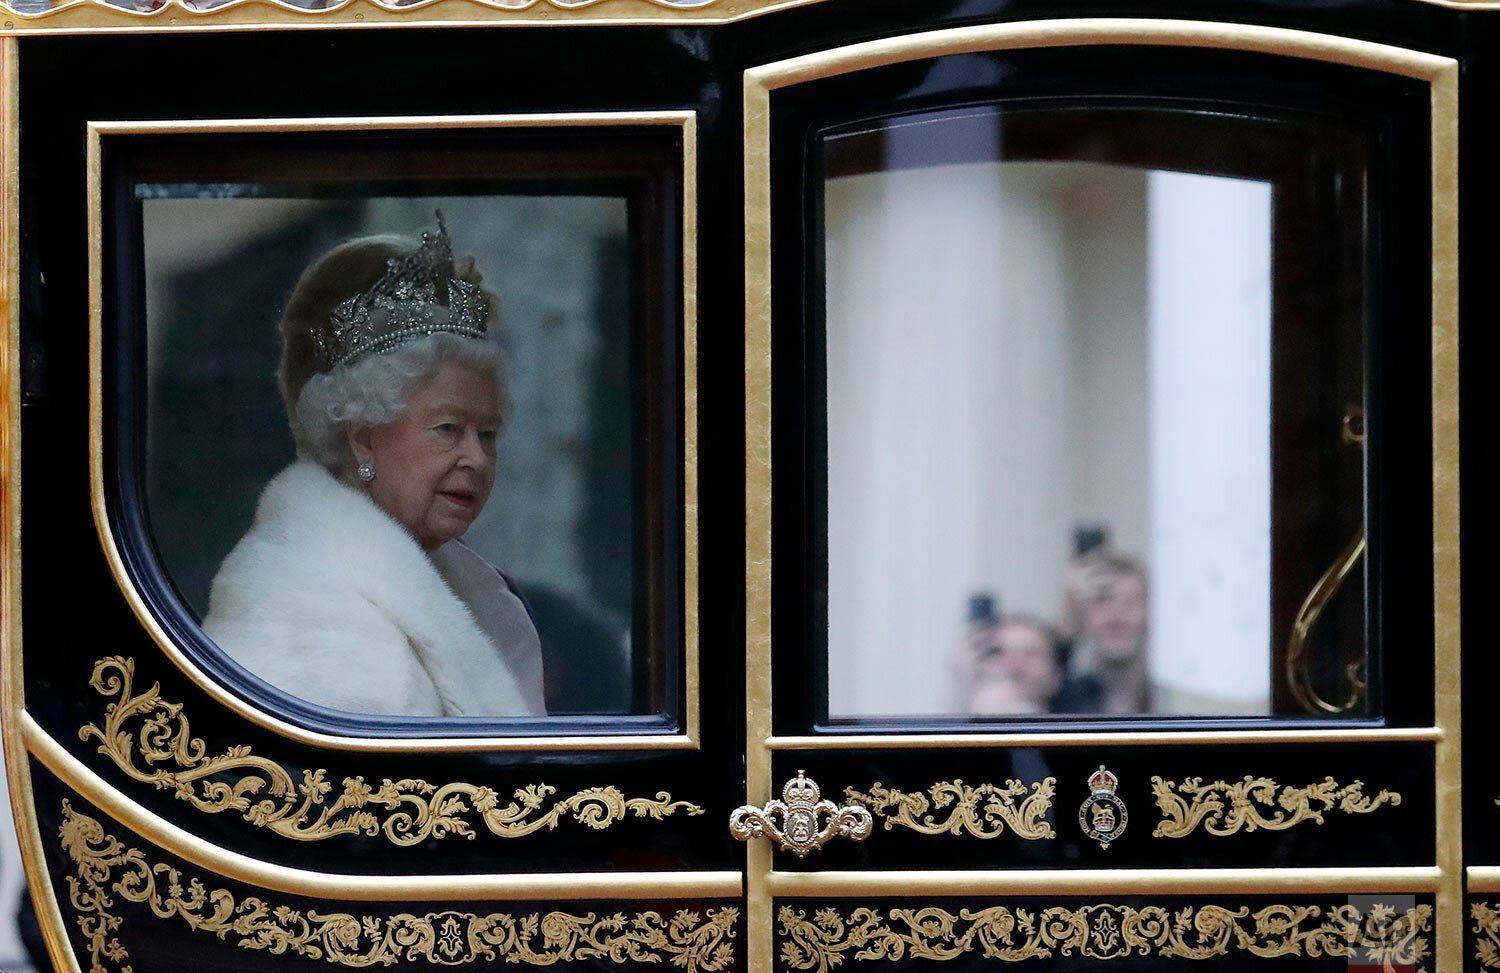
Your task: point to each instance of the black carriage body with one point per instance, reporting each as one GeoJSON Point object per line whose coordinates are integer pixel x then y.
{"type": "Point", "coordinates": [600, 841]}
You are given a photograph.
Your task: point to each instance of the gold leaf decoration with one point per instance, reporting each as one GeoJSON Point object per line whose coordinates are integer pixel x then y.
{"type": "Point", "coordinates": [106, 868]}
{"type": "Point", "coordinates": [982, 810]}
{"type": "Point", "coordinates": [146, 727]}
{"type": "Point", "coordinates": [529, 10]}
{"type": "Point", "coordinates": [1104, 932]}
{"type": "Point", "coordinates": [1223, 808]}
{"type": "Point", "coordinates": [1487, 934]}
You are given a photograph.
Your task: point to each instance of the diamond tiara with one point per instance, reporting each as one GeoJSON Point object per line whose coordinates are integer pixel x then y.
{"type": "Point", "coordinates": [419, 295]}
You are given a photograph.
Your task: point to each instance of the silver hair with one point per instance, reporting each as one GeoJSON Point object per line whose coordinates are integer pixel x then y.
{"type": "Point", "coordinates": [377, 389]}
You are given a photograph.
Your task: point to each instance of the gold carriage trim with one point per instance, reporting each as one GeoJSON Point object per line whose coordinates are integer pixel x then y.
{"type": "Point", "coordinates": [982, 810]}
{"type": "Point", "coordinates": [177, 13]}
{"type": "Point", "coordinates": [1224, 808]}
{"type": "Point", "coordinates": [1104, 932]}
{"type": "Point", "coordinates": [106, 868]}
{"type": "Point", "coordinates": [1486, 934]}
{"type": "Point", "coordinates": [407, 812]}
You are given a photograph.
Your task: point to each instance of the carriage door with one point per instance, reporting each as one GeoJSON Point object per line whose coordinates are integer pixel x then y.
{"type": "Point", "coordinates": [1099, 499]}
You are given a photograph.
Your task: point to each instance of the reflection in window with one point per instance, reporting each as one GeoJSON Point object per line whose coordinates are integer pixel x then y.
{"type": "Point", "coordinates": [1053, 471]}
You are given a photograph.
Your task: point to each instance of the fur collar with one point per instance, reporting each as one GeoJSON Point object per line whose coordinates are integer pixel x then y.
{"type": "Point", "coordinates": [325, 580]}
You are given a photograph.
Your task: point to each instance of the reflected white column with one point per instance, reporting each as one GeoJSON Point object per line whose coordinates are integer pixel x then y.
{"type": "Point", "coordinates": [946, 368]}
{"type": "Point", "coordinates": [1210, 367]}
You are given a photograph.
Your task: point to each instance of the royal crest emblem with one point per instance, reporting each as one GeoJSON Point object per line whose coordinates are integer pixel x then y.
{"type": "Point", "coordinates": [1102, 816]}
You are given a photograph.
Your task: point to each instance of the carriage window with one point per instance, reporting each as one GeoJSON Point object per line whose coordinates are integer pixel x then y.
{"type": "Point", "coordinates": [406, 422]}
{"type": "Point", "coordinates": [1095, 406]}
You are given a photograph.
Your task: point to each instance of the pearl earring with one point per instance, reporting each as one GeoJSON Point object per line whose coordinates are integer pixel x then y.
{"type": "Point", "coordinates": [366, 472]}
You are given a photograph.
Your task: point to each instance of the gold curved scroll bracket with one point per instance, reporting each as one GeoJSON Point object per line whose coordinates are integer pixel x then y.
{"type": "Point", "coordinates": [1486, 918]}
{"type": "Point", "coordinates": [1223, 808]}
{"type": "Point", "coordinates": [146, 728]}
{"type": "Point", "coordinates": [982, 810]}
{"type": "Point", "coordinates": [801, 821]}
{"type": "Point", "coordinates": [1104, 932]}
{"type": "Point", "coordinates": [1298, 661]}
{"type": "Point", "coordinates": [106, 869]}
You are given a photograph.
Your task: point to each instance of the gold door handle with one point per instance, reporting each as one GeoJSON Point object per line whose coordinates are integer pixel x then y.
{"type": "Point", "coordinates": [796, 821]}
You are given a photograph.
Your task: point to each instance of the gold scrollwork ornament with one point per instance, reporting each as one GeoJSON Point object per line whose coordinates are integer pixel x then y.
{"type": "Point", "coordinates": [1379, 937]}
{"type": "Point", "coordinates": [107, 869]}
{"type": "Point", "coordinates": [796, 821]}
{"type": "Point", "coordinates": [268, 796]}
{"type": "Point", "coordinates": [1223, 808]}
{"type": "Point", "coordinates": [982, 810]}
{"type": "Point", "coordinates": [1102, 815]}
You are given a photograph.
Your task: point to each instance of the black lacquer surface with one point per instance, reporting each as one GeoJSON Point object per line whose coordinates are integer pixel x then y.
{"type": "Point", "coordinates": [1390, 834]}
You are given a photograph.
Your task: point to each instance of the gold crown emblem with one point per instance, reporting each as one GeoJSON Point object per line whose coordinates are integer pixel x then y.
{"type": "Point", "coordinates": [801, 790]}
{"type": "Point", "coordinates": [1103, 782]}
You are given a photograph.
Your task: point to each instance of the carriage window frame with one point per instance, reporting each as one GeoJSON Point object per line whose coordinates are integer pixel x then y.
{"type": "Point", "coordinates": [812, 103]}
{"type": "Point", "coordinates": [650, 157]}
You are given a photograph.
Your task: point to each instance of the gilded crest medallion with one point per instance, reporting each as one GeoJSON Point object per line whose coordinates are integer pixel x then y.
{"type": "Point", "coordinates": [1102, 816]}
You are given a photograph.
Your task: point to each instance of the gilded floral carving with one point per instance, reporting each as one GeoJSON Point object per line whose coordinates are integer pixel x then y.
{"type": "Point", "coordinates": [529, 10]}
{"type": "Point", "coordinates": [981, 810]}
{"type": "Point", "coordinates": [1486, 934]}
{"type": "Point", "coordinates": [149, 739]}
{"type": "Point", "coordinates": [106, 869]}
{"type": "Point", "coordinates": [1255, 802]}
{"type": "Point", "coordinates": [1104, 932]}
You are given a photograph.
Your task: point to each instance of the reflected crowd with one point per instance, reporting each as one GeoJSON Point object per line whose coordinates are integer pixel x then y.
{"type": "Point", "coordinates": [1092, 660]}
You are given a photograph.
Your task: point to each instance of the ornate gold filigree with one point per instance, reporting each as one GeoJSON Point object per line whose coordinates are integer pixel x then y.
{"type": "Point", "coordinates": [407, 812]}
{"type": "Point", "coordinates": [276, 11]}
{"type": "Point", "coordinates": [797, 821]}
{"type": "Point", "coordinates": [982, 810]}
{"type": "Point", "coordinates": [1104, 932]}
{"type": "Point", "coordinates": [107, 868]}
{"type": "Point", "coordinates": [1224, 808]}
{"type": "Point", "coordinates": [1487, 934]}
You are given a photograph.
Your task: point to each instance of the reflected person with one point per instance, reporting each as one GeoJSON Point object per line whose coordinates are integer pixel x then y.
{"type": "Point", "coordinates": [352, 588]}
{"type": "Point", "coordinates": [1106, 602]}
{"type": "Point", "coordinates": [1012, 668]}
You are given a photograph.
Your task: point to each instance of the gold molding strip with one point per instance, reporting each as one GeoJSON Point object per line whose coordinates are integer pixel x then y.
{"type": "Point", "coordinates": [1224, 808]}
{"type": "Point", "coordinates": [1486, 929]}
{"type": "Point", "coordinates": [1092, 881]}
{"type": "Point", "coordinates": [1104, 931]}
{"type": "Point", "coordinates": [365, 888]}
{"type": "Point", "coordinates": [12, 687]}
{"type": "Point", "coordinates": [101, 16]}
{"type": "Point", "coordinates": [1484, 879]}
{"type": "Point", "coordinates": [697, 944]}
{"type": "Point", "coordinates": [1101, 738]}
{"type": "Point", "coordinates": [268, 797]}
{"type": "Point", "coordinates": [1026, 820]}
{"type": "Point", "coordinates": [688, 123]}
{"type": "Point", "coordinates": [1441, 75]}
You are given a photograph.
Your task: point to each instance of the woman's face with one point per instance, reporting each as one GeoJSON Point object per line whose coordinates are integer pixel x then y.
{"type": "Point", "coordinates": [435, 466]}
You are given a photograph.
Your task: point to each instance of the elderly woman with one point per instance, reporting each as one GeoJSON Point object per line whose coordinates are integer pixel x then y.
{"type": "Point", "coordinates": [353, 588]}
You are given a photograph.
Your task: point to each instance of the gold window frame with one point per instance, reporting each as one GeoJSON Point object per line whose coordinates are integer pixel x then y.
{"type": "Point", "coordinates": [686, 122]}
{"type": "Point", "coordinates": [764, 883]}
